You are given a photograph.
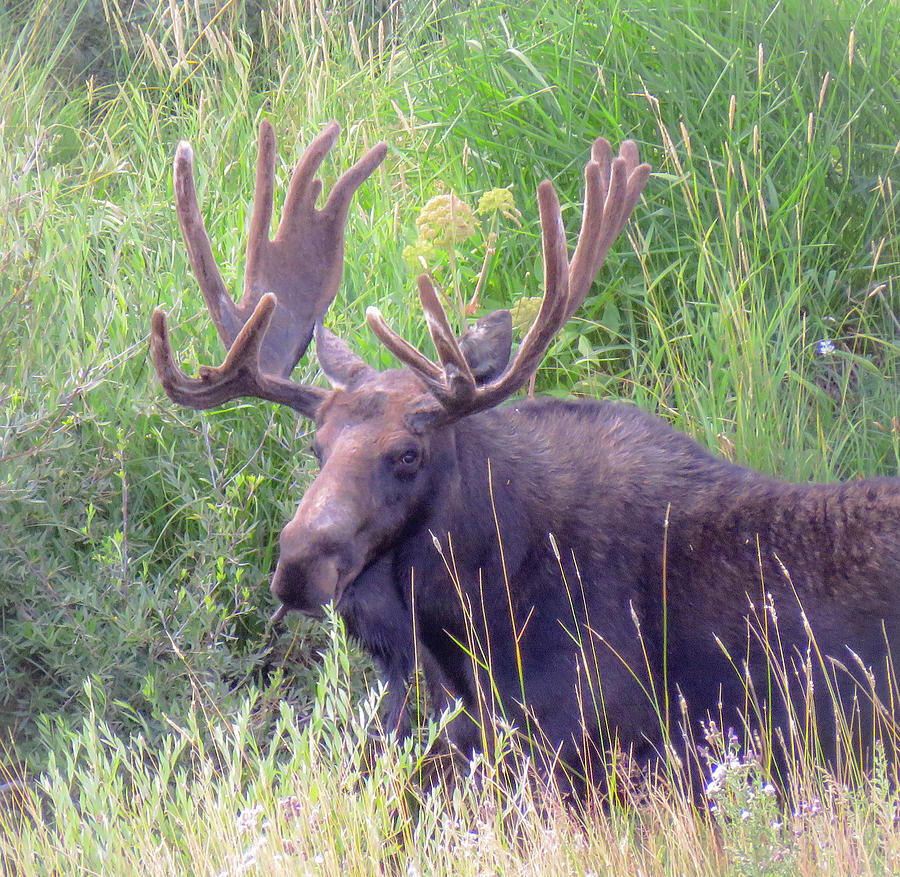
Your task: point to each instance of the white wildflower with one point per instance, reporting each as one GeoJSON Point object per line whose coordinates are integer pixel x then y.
{"type": "Point", "coordinates": [248, 819]}
{"type": "Point", "coordinates": [716, 780]}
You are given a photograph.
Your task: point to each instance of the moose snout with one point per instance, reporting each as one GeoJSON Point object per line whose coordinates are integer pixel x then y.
{"type": "Point", "coordinates": [306, 585]}
{"type": "Point", "coordinates": [314, 564]}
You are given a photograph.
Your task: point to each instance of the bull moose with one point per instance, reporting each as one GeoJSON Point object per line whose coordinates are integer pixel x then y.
{"type": "Point", "coordinates": [566, 565]}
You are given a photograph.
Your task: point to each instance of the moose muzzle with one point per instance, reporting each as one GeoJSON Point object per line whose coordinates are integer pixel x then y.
{"type": "Point", "coordinates": [317, 557]}
{"type": "Point", "coordinates": [306, 587]}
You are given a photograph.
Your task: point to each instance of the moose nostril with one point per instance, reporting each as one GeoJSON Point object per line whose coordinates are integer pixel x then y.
{"type": "Point", "coordinates": [307, 585]}
{"type": "Point", "coordinates": [288, 587]}
{"type": "Point", "coordinates": [288, 578]}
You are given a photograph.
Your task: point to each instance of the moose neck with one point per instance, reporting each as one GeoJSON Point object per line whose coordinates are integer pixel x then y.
{"type": "Point", "coordinates": [474, 536]}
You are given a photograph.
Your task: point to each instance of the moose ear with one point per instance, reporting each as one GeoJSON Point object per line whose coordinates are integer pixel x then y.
{"type": "Point", "coordinates": [341, 365]}
{"type": "Point", "coordinates": [424, 415]}
{"type": "Point", "coordinates": [487, 345]}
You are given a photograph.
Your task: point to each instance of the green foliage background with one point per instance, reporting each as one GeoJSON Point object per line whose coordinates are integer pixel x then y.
{"type": "Point", "coordinates": [136, 539]}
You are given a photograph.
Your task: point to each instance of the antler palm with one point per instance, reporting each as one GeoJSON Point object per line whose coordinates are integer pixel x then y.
{"type": "Point", "coordinates": [302, 264]}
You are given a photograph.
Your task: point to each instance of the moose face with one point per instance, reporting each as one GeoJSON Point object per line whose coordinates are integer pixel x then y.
{"type": "Point", "coordinates": [378, 465]}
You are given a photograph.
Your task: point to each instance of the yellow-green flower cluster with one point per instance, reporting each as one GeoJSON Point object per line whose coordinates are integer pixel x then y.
{"type": "Point", "coordinates": [445, 221]}
{"type": "Point", "coordinates": [524, 312]}
{"type": "Point", "coordinates": [420, 256]}
{"type": "Point", "coordinates": [499, 201]}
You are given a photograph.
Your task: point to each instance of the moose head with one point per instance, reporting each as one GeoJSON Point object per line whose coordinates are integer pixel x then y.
{"type": "Point", "coordinates": [384, 440]}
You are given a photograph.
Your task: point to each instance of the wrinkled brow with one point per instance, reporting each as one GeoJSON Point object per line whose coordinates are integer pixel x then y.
{"type": "Point", "coordinates": [373, 404]}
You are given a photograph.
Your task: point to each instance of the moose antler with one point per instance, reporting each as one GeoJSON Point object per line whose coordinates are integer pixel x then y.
{"type": "Point", "coordinates": [612, 188]}
{"type": "Point", "coordinates": [289, 282]}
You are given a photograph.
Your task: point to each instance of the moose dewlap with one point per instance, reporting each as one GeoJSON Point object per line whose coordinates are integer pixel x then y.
{"type": "Point", "coordinates": [568, 566]}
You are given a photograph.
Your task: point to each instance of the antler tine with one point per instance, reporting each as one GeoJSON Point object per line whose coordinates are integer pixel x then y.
{"type": "Point", "coordinates": [612, 189]}
{"type": "Point", "coordinates": [402, 349]}
{"type": "Point", "coordinates": [445, 342]}
{"type": "Point", "coordinates": [304, 189]}
{"type": "Point", "coordinates": [629, 151]}
{"type": "Point", "coordinates": [238, 376]}
{"type": "Point", "coordinates": [338, 203]}
{"type": "Point", "coordinates": [636, 176]}
{"type": "Point", "coordinates": [263, 202]}
{"type": "Point", "coordinates": [588, 249]}
{"type": "Point", "coordinates": [602, 156]}
{"type": "Point", "coordinates": [221, 306]}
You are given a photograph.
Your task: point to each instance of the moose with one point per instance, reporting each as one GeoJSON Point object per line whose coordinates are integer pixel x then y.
{"type": "Point", "coordinates": [575, 568]}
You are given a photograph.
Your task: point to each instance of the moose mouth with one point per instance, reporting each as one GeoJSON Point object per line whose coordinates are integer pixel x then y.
{"type": "Point", "coordinates": [338, 595]}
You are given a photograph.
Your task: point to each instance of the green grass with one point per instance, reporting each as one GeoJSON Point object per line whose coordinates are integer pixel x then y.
{"type": "Point", "coordinates": [318, 793]}
{"type": "Point", "coordinates": [136, 539]}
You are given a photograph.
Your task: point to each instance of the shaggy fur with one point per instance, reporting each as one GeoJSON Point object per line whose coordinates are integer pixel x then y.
{"type": "Point", "coordinates": [535, 540]}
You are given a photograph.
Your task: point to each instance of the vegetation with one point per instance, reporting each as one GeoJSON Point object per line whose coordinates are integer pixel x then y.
{"type": "Point", "coordinates": [159, 725]}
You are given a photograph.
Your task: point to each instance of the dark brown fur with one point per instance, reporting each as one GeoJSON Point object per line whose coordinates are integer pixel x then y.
{"type": "Point", "coordinates": [623, 495]}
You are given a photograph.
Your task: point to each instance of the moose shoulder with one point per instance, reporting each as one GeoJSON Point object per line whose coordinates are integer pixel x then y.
{"type": "Point", "coordinates": [550, 562]}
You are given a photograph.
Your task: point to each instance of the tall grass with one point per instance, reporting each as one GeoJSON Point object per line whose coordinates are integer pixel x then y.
{"type": "Point", "coordinates": [755, 305]}
{"type": "Point", "coordinates": [321, 794]}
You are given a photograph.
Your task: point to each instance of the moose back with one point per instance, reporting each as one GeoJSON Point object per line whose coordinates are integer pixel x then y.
{"type": "Point", "coordinates": [574, 567]}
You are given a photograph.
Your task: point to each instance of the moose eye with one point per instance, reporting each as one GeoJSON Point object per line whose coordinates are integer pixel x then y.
{"type": "Point", "coordinates": [406, 462]}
